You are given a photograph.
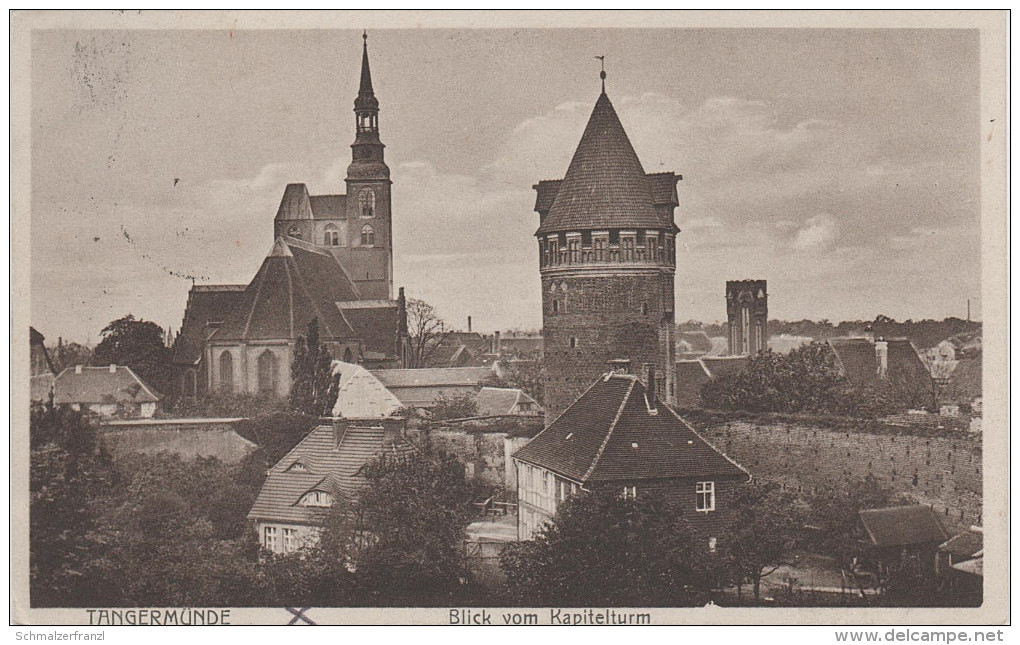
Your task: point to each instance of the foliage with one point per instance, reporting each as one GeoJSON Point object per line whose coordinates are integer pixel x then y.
{"type": "Point", "coordinates": [411, 520]}
{"type": "Point", "coordinates": [63, 426]}
{"type": "Point", "coordinates": [601, 549]}
{"type": "Point", "coordinates": [453, 407]}
{"type": "Point", "coordinates": [426, 332]}
{"type": "Point", "coordinates": [835, 509]}
{"type": "Point", "coordinates": [224, 405]}
{"type": "Point", "coordinates": [804, 380]}
{"type": "Point", "coordinates": [139, 345]}
{"type": "Point", "coordinates": [761, 532]}
{"type": "Point", "coordinates": [66, 355]}
{"type": "Point", "coordinates": [313, 387]}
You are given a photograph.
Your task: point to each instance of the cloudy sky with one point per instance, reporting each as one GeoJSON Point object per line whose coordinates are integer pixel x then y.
{"type": "Point", "coordinates": [840, 165]}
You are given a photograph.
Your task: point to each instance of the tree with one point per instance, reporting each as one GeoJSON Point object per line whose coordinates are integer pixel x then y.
{"type": "Point", "coordinates": [408, 528]}
{"type": "Point", "coordinates": [453, 407]}
{"type": "Point", "coordinates": [601, 549]}
{"type": "Point", "coordinates": [761, 532]}
{"type": "Point", "coordinates": [426, 332]}
{"type": "Point", "coordinates": [313, 389]}
{"type": "Point", "coordinates": [836, 508]}
{"type": "Point", "coordinates": [66, 355]}
{"type": "Point", "coordinates": [139, 345]}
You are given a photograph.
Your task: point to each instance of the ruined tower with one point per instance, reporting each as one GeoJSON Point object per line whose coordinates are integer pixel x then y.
{"type": "Point", "coordinates": [747, 312]}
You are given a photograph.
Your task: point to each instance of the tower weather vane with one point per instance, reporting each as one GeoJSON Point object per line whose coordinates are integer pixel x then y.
{"type": "Point", "coordinates": [602, 74]}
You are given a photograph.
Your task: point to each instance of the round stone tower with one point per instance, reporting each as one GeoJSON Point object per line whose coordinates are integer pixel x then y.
{"type": "Point", "coordinates": [607, 259]}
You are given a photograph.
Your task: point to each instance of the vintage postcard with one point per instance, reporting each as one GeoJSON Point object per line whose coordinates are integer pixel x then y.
{"type": "Point", "coordinates": [559, 318]}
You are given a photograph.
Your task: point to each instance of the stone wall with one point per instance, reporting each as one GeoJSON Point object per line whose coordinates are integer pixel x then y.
{"type": "Point", "coordinates": [189, 440]}
{"type": "Point", "coordinates": [486, 454]}
{"type": "Point", "coordinates": [941, 472]}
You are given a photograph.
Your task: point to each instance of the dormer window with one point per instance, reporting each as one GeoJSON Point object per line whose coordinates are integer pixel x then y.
{"type": "Point", "coordinates": [297, 467]}
{"type": "Point", "coordinates": [317, 498]}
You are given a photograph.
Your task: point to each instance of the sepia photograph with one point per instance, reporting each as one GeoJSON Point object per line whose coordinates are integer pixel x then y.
{"type": "Point", "coordinates": [559, 318]}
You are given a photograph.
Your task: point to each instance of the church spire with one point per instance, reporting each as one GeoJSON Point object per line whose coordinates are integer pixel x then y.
{"type": "Point", "coordinates": [366, 97]}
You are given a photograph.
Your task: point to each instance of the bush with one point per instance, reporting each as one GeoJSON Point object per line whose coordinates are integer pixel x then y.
{"type": "Point", "coordinates": [229, 405]}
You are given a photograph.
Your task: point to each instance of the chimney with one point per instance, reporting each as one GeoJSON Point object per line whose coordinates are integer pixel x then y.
{"type": "Point", "coordinates": [77, 369]}
{"type": "Point", "coordinates": [469, 324]}
{"type": "Point", "coordinates": [882, 357]}
{"type": "Point", "coordinates": [650, 384]}
{"type": "Point", "coordinates": [113, 368]}
{"type": "Point", "coordinates": [495, 344]}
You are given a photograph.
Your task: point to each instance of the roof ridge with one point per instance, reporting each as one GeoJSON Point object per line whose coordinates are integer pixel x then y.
{"type": "Point", "coordinates": [612, 426]}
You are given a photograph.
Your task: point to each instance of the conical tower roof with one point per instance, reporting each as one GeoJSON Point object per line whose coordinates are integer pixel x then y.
{"type": "Point", "coordinates": [605, 185]}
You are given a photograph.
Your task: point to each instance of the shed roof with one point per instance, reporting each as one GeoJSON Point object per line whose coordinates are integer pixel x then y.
{"type": "Point", "coordinates": [903, 526]}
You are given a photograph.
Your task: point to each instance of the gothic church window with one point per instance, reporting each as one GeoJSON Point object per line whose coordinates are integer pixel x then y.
{"type": "Point", "coordinates": [331, 236]}
{"type": "Point", "coordinates": [367, 236]}
{"type": "Point", "coordinates": [267, 366]}
{"type": "Point", "coordinates": [294, 231]}
{"type": "Point", "coordinates": [366, 201]}
{"type": "Point", "coordinates": [226, 372]}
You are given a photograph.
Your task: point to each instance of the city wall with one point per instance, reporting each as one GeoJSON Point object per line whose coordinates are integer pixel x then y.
{"type": "Point", "coordinates": [187, 438]}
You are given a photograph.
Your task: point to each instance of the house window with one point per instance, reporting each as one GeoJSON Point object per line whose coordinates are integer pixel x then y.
{"type": "Point", "coordinates": [712, 545]}
{"type": "Point", "coordinates": [226, 372]}
{"type": "Point", "coordinates": [269, 538]}
{"type": "Point", "coordinates": [317, 498]}
{"type": "Point", "coordinates": [331, 236]}
{"type": "Point", "coordinates": [366, 201]}
{"type": "Point", "coordinates": [367, 236]}
{"type": "Point", "coordinates": [573, 342]}
{"type": "Point", "coordinates": [294, 231]}
{"type": "Point", "coordinates": [289, 540]}
{"type": "Point", "coordinates": [629, 492]}
{"type": "Point", "coordinates": [267, 365]}
{"type": "Point", "coordinates": [644, 308]}
{"type": "Point", "coordinates": [706, 496]}
{"type": "Point", "coordinates": [297, 467]}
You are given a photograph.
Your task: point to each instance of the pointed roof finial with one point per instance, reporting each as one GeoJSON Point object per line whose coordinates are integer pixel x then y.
{"type": "Point", "coordinates": [364, 36]}
{"type": "Point", "coordinates": [602, 74]}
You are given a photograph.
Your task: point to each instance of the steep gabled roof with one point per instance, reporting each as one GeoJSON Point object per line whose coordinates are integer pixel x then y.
{"type": "Point", "coordinates": [297, 282]}
{"type": "Point", "coordinates": [360, 394]}
{"type": "Point", "coordinates": [375, 322]}
{"type": "Point", "coordinates": [329, 206]}
{"type": "Point", "coordinates": [610, 434]}
{"type": "Point", "coordinates": [206, 304]}
{"type": "Point", "coordinates": [855, 358]}
{"type": "Point", "coordinates": [100, 385]}
{"type": "Point", "coordinates": [903, 526]}
{"type": "Point", "coordinates": [295, 203]}
{"type": "Point", "coordinates": [690, 376]}
{"type": "Point", "coordinates": [605, 185]}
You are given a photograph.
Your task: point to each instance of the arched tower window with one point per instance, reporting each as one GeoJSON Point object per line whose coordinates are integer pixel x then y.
{"type": "Point", "coordinates": [294, 231]}
{"type": "Point", "coordinates": [367, 236]}
{"type": "Point", "coordinates": [348, 356]}
{"type": "Point", "coordinates": [331, 237]}
{"type": "Point", "coordinates": [226, 372]}
{"type": "Point", "coordinates": [366, 201]}
{"type": "Point", "coordinates": [556, 306]}
{"type": "Point", "coordinates": [267, 365]}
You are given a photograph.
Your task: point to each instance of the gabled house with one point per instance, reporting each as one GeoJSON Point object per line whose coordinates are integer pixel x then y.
{"type": "Point", "coordinates": [114, 390]}
{"type": "Point", "coordinates": [617, 436]}
{"type": "Point", "coordinates": [324, 469]}
{"type": "Point", "coordinates": [902, 539]}
{"type": "Point", "coordinates": [421, 388]}
{"type": "Point", "coordinates": [506, 401]}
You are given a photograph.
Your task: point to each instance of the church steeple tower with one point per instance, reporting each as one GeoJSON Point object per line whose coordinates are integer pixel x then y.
{"type": "Point", "coordinates": [367, 146]}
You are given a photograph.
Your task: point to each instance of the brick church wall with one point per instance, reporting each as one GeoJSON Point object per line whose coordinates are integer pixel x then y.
{"type": "Point", "coordinates": [948, 471]}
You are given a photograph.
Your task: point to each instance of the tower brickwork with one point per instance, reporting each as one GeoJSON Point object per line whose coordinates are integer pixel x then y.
{"type": "Point", "coordinates": [606, 244]}
{"type": "Point", "coordinates": [747, 314]}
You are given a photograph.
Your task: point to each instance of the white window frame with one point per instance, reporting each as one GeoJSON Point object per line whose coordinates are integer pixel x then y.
{"type": "Point", "coordinates": [269, 535]}
{"type": "Point", "coordinates": [289, 536]}
{"type": "Point", "coordinates": [713, 545]}
{"type": "Point", "coordinates": [629, 492]}
{"type": "Point", "coordinates": [705, 497]}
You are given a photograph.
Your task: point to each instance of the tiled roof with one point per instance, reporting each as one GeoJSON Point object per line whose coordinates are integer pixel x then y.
{"type": "Point", "coordinates": [206, 303]}
{"type": "Point", "coordinates": [100, 385]}
{"type": "Point", "coordinates": [322, 466]}
{"type": "Point", "coordinates": [295, 203]}
{"type": "Point", "coordinates": [297, 282]}
{"type": "Point", "coordinates": [375, 322]}
{"type": "Point", "coordinates": [609, 434]}
{"type": "Point", "coordinates": [903, 526]}
{"type": "Point", "coordinates": [966, 378]}
{"type": "Point", "coordinates": [965, 545]}
{"type": "Point", "coordinates": [857, 361]}
{"type": "Point", "coordinates": [494, 401]}
{"type": "Point", "coordinates": [605, 185]}
{"type": "Point", "coordinates": [698, 341]}
{"type": "Point", "coordinates": [856, 358]}
{"type": "Point", "coordinates": [718, 366]}
{"type": "Point", "coordinates": [433, 376]}
{"type": "Point", "coordinates": [329, 206]}
{"type": "Point", "coordinates": [545, 193]}
{"type": "Point", "coordinates": [663, 187]}
{"type": "Point", "coordinates": [690, 376]}
{"type": "Point", "coordinates": [361, 395]}
{"type": "Point", "coordinates": [905, 366]}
